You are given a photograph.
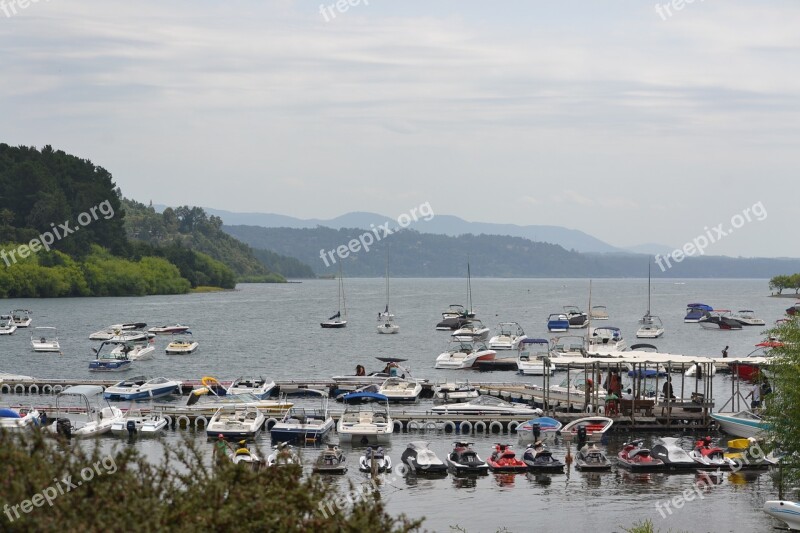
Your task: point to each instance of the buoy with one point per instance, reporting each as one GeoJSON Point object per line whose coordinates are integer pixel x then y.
{"type": "Point", "coordinates": [480, 426]}
{"type": "Point", "coordinates": [168, 419]}
{"type": "Point", "coordinates": [47, 389]}
{"type": "Point", "coordinates": [19, 388]}
{"type": "Point", "coordinates": [495, 427]}
{"type": "Point", "coordinates": [33, 389]}
{"type": "Point", "coordinates": [449, 426]}
{"type": "Point", "coordinates": [512, 426]}
{"type": "Point", "coordinates": [271, 422]}
{"type": "Point", "coordinates": [5, 388]}
{"type": "Point", "coordinates": [465, 427]}
{"type": "Point", "coordinates": [182, 419]}
{"type": "Point", "coordinates": [57, 389]}
{"type": "Point", "coordinates": [397, 426]}
{"type": "Point", "coordinates": [198, 420]}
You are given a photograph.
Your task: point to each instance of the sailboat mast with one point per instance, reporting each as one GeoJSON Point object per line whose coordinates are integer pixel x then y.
{"type": "Point", "coordinates": [387, 282]}
{"type": "Point", "coordinates": [648, 288]}
{"type": "Point", "coordinates": [342, 302]}
{"type": "Point", "coordinates": [589, 327]}
{"type": "Point", "coordinates": [469, 289]}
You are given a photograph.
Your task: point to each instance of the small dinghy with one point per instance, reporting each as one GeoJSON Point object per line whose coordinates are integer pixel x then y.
{"type": "Point", "coordinates": [636, 458]}
{"type": "Point", "coordinates": [503, 459]}
{"type": "Point", "coordinates": [464, 460]}
{"type": "Point", "coordinates": [421, 460]}
{"type": "Point", "coordinates": [673, 456]}
{"type": "Point", "coordinates": [540, 460]}
{"type": "Point", "coordinates": [592, 459]}
{"type": "Point", "coordinates": [330, 461]}
{"type": "Point", "coordinates": [383, 462]}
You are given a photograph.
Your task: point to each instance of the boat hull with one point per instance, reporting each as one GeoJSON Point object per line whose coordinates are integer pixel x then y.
{"type": "Point", "coordinates": [333, 325]}
{"type": "Point", "coordinates": [739, 427]}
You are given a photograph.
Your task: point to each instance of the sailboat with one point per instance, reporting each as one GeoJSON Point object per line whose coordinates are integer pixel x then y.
{"type": "Point", "coordinates": [651, 326]}
{"type": "Point", "coordinates": [338, 320]}
{"type": "Point", "coordinates": [386, 323]}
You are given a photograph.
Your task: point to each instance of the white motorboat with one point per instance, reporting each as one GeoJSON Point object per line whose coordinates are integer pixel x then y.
{"type": "Point", "coordinates": [141, 388]}
{"type": "Point", "coordinates": [259, 386]}
{"type": "Point", "coordinates": [472, 330]}
{"type": "Point", "coordinates": [386, 323]}
{"type": "Point", "coordinates": [45, 339]}
{"type": "Point", "coordinates": [605, 340]}
{"type": "Point", "coordinates": [595, 427]}
{"type": "Point", "coordinates": [366, 423]}
{"type": "Point", "coordinates": [509, 335]}
{"type": "Point", "coordinates": [139, 351]}
{"type": "Point", "coordinates": [236, 423]}
{"type": "Point", "coordinates": [7, 326]}
{"type": "Point", "coordinates": [568, 346]}
{"type": "Point", "coordinates": [21, 318]}
{"type": "Point", "coordinates": [464, 354]}
{"type": "Point", "coordinates": [454, 392]}
{"type": "Point", "coordinates": [18, 420]}
{"type": "Point", "coordinates": [744, 424]}
{"type": "Point", "coordinates": [599, 312]}
{"type": "Point", "coordinates": [401, 390]}
{"type": "Point", "coordinates": [182, 345]}
{"type": "Point", "coordinates": [169, 330]}
{"type": "Point", "coordinates": [786, 511]}
{"type": "Point", "coordinates": [118, 335]}
{"type": "Point", "coordinates": [108, 362]}
{"type": "Point", "coordinates": [304, 425]}
{"type": "Point", "coordinates": [720, 320]}
{"type": "Point", "coordinates": [650, 327]}
{"type": "Point", "coordinates": [577, 319]}
{"type": "Point", "coordinates": [572, 390]}
{"type": "Point", "coordinates": [138, 423]}
{"type": "Point", "coordinates": [747, 317]}
{"type": "Point", "coordinates": [95, 420]}
{"type": "Point", "coordinates": [205, 401]}
{"type": "Point", "coordinates": [338, 321]}
{"type": "Point", "coordinates": [533, 357]}
{"type": "Point", "coordinates": [487, 405]}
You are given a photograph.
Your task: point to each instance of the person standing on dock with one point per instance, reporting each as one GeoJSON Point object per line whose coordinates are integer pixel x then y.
{"type": "Point", "coordinates": [669, 394]}
{"type": "Point", "coordinates": [755, 393]}
{"type": "Point", "coordinates": [588, 390]}
{"type": "Point", "coordinates": [725, 352]}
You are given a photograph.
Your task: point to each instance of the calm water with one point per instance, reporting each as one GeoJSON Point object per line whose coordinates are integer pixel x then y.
{"type": "Point", "coordinates": [274, 330]}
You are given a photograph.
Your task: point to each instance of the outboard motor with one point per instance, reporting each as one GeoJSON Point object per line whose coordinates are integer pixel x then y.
{"type": "Point", "coordinates": [536, 429]}
{"type": "Point", "coordinates": [131, 427]}
{"type": "Point", "coordinates": [582, 438]}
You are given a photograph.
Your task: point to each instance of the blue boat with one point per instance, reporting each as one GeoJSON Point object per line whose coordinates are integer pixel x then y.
{"type": "Point", "coordinates": [694, 312]}
{"type": "Point", "coordinates": [109, 362]}
{"type": "Point", "coordinates": [304, 425]}
{"type": "Point", "coordinates": [543, 425]}
{"type": "Point", "coordinates": [557, 323]}
{"type": "Point", "coordinates": [141, 388]}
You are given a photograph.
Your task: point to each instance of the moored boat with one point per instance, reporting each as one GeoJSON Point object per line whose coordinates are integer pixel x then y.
{"type": "Point", "coordinates": [45, 339]}
{"type": "Point", "coordinates": [462, 354]}
{"type": "Point", "coordinates": [141, 388]}
{"type": "Point", "coordinates": [375, 458]}
{"type": "Point", "coordinates": [557, 323]}
{"type": "Point", "coordinates": [508, 337]}
{"type": "Point", "coordinates": [533, 357]}
{"type": "Point", "coordinates": [742, 424]}
{"type": "Point", "coordinates": [331, 461]}
{"type": "Point", "coordinates": [503, 459]}
{"type": "Point", "coordinates": [696, 311]}
{"type": "Point", "coordinates": [463, 459]}
{"type": "Point", "coordinates": [539, 459]}
{"type": "Point", "coordinates": [636, 458]}
{"type": "Point", "coordinates": [7, 326]}
{"type": "Point", "coordinates": [421, 460]}
{"type": "Point", "coordinates": [591, 459]}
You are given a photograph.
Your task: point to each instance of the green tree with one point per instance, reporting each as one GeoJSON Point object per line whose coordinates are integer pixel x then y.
{"type": "Point", "coordinates": [779, 283]}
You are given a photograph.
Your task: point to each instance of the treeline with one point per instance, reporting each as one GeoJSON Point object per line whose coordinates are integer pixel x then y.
{"type": "Point", "coordinates": [287, 266]}
{"type": "Point", "coordinates": [781, 283]}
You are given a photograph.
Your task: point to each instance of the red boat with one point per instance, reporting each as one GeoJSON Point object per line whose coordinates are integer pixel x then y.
{"type": "Point", "coordinates": [638, 459]}
{"type": "Point", "coordinates": [503, 459]}
{"type": "Point", "coordinates": [749, 372]}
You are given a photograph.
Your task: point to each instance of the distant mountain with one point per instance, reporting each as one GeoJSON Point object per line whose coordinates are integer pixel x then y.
{"type": "Point", "coordinates": [649, 249]}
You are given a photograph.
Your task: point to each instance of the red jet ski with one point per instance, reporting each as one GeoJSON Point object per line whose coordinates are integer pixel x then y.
{"type": "Point", "coordinates": [503, 459]}
{"type": "Point", "coordinates": [709, 456]}
{"type": "Point", "coordinates": [638, 459]}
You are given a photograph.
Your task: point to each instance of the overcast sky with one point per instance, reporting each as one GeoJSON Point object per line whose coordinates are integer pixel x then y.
{"type": "Point", "coordinates": [600, 116]}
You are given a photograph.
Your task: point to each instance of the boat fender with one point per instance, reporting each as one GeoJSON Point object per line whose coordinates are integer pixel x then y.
{"type": "Point", "coordinates": [183, 420]}
{"type": "Point", "coordinates": [19, 388]}
{"type": "Point", "coordinates": [47, 389]}
{"type": "Point", "coordinates": [271, 422]}
{"type": "Point", "coordinates": [5, 388]}
{"type": "Point", "coordinates": [449, 426]}
{"type": "Point", "coordinates": [465, 427]}
{"type": "Point", "coordinates": [168, 419]}
{"type": "Point", "coordinates": [198, 420]}
{"type": "Point", "coordinates": [601, 410]}
{"type": "Point", "coordinates": [57, 389]}
{"type": "Point", "coordinates": [412, 425]}
{"type": "Point", "coordinates": [512, 426]}
{"type": "Point", "coordinates": [33, 389]}
{"type": "Point", "coordinates": [495, 427]}
{"type": "Point", "coordinates": [397, 426]}
{"type": "Point", "coordinates": [430, 426]}
{"type": "Point", "coordinates": [480, 426]}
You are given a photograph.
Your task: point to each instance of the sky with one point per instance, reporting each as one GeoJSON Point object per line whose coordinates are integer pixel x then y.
{"type": "Point", "coordinates": [632, 125]}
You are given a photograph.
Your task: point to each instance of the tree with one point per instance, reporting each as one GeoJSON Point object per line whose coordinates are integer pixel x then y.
{"type": "Point", "coordinates": [779, 283]}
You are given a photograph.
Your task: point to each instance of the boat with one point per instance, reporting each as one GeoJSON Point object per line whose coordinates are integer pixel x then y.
{"type": "Point", "coordinates": [473, 330]}
{"type": "Point", "coordinates": [742, 424]}
{"type": "Point", "coordinates": [386, 323]}
{"type": "Point", "coordinates": [136, 423]}
{"type": "Point", "coordinates": [421, 460]}
{"type": "Point", "coordinates": [540, 460]}
{"type": "Point", "coordinates": [169, 330]}
{"type": "Point", "coordinates": [747, 317]}
{"type": "Point", "coordinates": [591, 459]}
{"type": "Point", "coordinates": [577, 318]}
{"type": "Point", "coordinates": [463, 459]}
{"type": "Point", "coordinates": [557, 323]}
{"type": "Point", "coordinates": [487, 405]}
{"type": "Point", "coordinates": [785, 511]}
{"type": "Point", "coordinates": [650, 327]}
{"type": "Point", "coordinates": [503, 459]}
{"type": "Point", "coordinates": [19, 420]}
{"type": "Point", "coordinates": [751, 371]}
{"type": "Point", "coordinates": [258, 386]}
{"type": "Point", "coordinates": [705, 455]}
{"type": "Point", "coordinates": [45, 339]}
{"type": "Point", "coordinates": [141, 388]}
{"type": "Point", "coordinates": [283, 454]}
{"type": "Point", "coordinates": [7, 326]}
{"type": "Point", "coordinates": [746, 454]}
{"type": "Point", "coordinates": [571, 392]}
{"type": "Point", "coordinates": [568, 346]}
{"type": "Point", "coordinates": [599, 312]}
{"type": "Point", "coordinates": [541, 427]}
{"type": "Point", "coordinates": [605, 340]}
{"type": "Point", "coordinates": [108, 362]}
{"type": "Point", "coordinates": [508, 337]}
{"type": "Point", "coordinates": [205, 401]}
{"type": "Point", "coordinates": [720, 320]}
{"type": "Point", "coordinates": [692, 371]}
{"type": "Point", "coordinates": [594, 427]}
{"type": "Point", "coordinates": [793, 310]}
{"type": "Point", "coordinates": [135, 351]}
{"type": "Point", "coordinates": [368, 423]}
{"type": "Point", "coordinates": [244, 456]}
{"type": "Point", "coordinates": [455, 317]}
{"type": "Point", "coordinates": [533, 357]}
{"type": "Point", "coordinates": [637, 458]}
{"type": "Point", "coordinates": [400, 390]}
{"type": "Point", "coordinates": [21, 318]}
{"type": "Point", "coordinates": [672, 455]}
{"type": "Point", "coordinates": [338, 321]}
{"type": "Point", "coordinates": [304, 424]}
{"type": "Point", "coordinates": [235, 423]}
{"type": "Point", "coordinates": [182, 345]}
{"type": "Point", "coordinates": [331, 461]}
{"type": "Point", "coordinates": [694, 312]}
{"type": "Point", "coordinates": [118, 336]}
{"type": "Point", "coordinates": [94, 421]}
{"type": "Point", "coordinates": [450, 392]}
{"type": "Point", "coordinates": [115, 329]}
{"type": "Point", "coordinates": [464, 354]}
{"type": "Point", "coordinates": [375, 458]}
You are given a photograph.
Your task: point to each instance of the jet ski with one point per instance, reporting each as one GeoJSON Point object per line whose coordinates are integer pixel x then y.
{"type": "Point", "coordinates": [503, 459]}
{"type": "Point", "coordinates": [591, 459]}
{"type": "Point", "coordinates": [422, 460]}
{"type": "Point", "coordinates": [330, 461]}
{"type": "Point", "coordinates": [284, 454]}
{"type": "Point", "coordinates": [638, 459]}
{"type": "Point", "coordinates": [464, 460]}
{"type": "Point", "coordinates": [673, 456]}
{"type": "Point", "coordinates": [382, 462]}
{"type": "Point", "coordinates": [540, 459]}
{"type": "Point", "coordinates": [711, 457]}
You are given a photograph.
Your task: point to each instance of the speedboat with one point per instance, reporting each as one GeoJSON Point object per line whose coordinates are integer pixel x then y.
{"type": "Point", "coordinates": [421, 460]}
{"type": "Point", "coordinates": [557, 323]}
{"type": "Point", "coordinates": [750, 371]}
{"type": "Point", "coordinates": [541, 427]}
{"type": "Point", "coordinates": [115, 329]}
{"type": "Point", "coordinates": [119, 336]}
{"type": "Point", "coordinates": [650, 327]}
{"type": "Point", "coordinates": [742, 424]}
{"type": "Point", "coordinates": [509, 335]}
{"type": "Point", "coordinates": [141, 388]}
{"type": "Point", "coordinates": [400, 390]}
{"type": "Point", "coordinates": [636, 458]}
{"type": "Point", "coordinates": [7, 326]}
{"type": "Point", "coordinates": [95, 420]}
{"type": "Point", "coordinates": [747, 317]}
{"type": "Point", "coordinates": [606, 340]}
{"type": "Point", "coordinates": [464, 354]}
{"type": "Point", "coordinates": [711, 457]}
{"type": "Point", "coordinates": [571, 392]}
{"type": "Point", "coordinates": [591, 459]}
{"type": "Point", "coordinates": [304, 424]}
{"type": "Point", "coordinates": [599, 312]}
{"type": "Point", "coordinates": [135, 351]}
{"type": "Point", "coordinates": [205, 401]}
{"type": "Point", "coordinates": [182, 346]}
{"type": "Point", "coordinates": [378, 458]}
{"type": "Point", "coordinates": [21, 318]}
{"type": "Point", "coordinates": [455, 317]}
{"type": "Point", "coordinates": [719, 319]}
{"type": "Point", "coordinates": [464, 460]}
{"type": "Point", "coordinates": [137, 423]}
{"type": "Point", "coordinates": [577, 318]}
{"type": "Point", "coordinates": [45, 339]}
{"type": "Point", "coordinates": [257, 386]}
{"type": "Point", "coordinates": [533, 357]}
{"type": "Point", "coordinates": [331, 461]}
{"type": "Point", "coordinates": [366, 423]}
{"type": "Point", "coordinates": [454, 392]}
{"type": "Point", "coordinates": [793, 310]}
{"type": "Point", "coordinates": [283, 454]}
{"type": "Point", "coordinates": [540, 459]}
{"type": "Point", "coordinates": [169, 330]}
{"type": "Point", "coordinates": [694, 312]}
{"type": "Point", "coordinates": [785, 511]}
{"type": "Point", "coordinates": [235, 423]}
{"type": "Point", "coordinates": [487, 405]}
{"type": "Point", "coordinates": [568, 346]}
{"type": "Point", "coordinates": [18, 420]}
{"type": "Point", "coordinates": [108, 362]}
{"type": "Point", "coordinates": [472, 330]}
{"type": "Point", "coordinates": [594, 426]}
{"type": "Point", "coordinates": [672, 455]}
{"type": "Point", "coordinates": [503, 459]}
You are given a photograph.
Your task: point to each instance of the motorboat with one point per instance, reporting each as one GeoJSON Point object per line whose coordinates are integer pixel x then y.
{"type": "Point", "coordinates": [235, 423]}
{"type": "Point", "coordinates": [141, 388]}
{"type": "Point", "coordinates": [257, 386]}
{"type": "Point", "coordinates": [751, 371]}
{"type": "Point", "coordinates": [539, 459]}
{"type": "Point", "coordinates": [21, 318]}
{"type": "Point", "coordinates": [650, 327]}
{"type": "Point", "coordinates": [115, 329]}
{"type": "Point", "coordinates": [568, 346]}
{"type": "Point", "coordinates": [94, 421]}
{"type": "Point", "coordinates": [785, 511]}
{"type": "Point", "coordinates": [136, 423]}
{"type": "Point", "coordinates": [541, 427]}
{"type": "Point", "coordinates": [706, 455]}
{"type": "Point", "coordinates": [455, 317]}
{"type": "Point", "coordinates": [368, 423]}
{"type": "Point", "coordinates": [594, 427]}
{"type": "Point", "coordinates": [636, 458]}
{"type": "Point", "coordinates": [45, 339]}
{"type": "Point", "coordinates": [337, 320]}
{"type": "Point", "coordinates": [108, 362]}
{"type": "Point", "coordinates": [304, 424]}
{"type": "Point", "coordinates": [19, 419]}
{"type": "Point", "coordinates": [118, 336]}
{"type": "Point", "coordinates": [474, 330]}
{"type": "Point", "coordinates": [747, 317]}
{"type": "Point", "coordinates": [591, 459]}
{"type": "Point", "coordinates": [421, 460]}
{"type": "Point", "coordinates": [577, 318]}
{"type": "Point", "coordinates": [533, 357]}
{"type": "Point", "coordinates": [169, 329]}
{"type": "Point", "coordinates": [793, 310]}
{"type": "Point", "coordinates": [7, 326]}
{"type": "Point", "coordinates": [599, 312]}
{"type": "Point", "coordinates": [451, 392]}
{"type": "Point", "coordinates": [720, 320]}
{"type": "Point", "coordinates": [557, 323]}
{"type": "Point", "coordinates": [244, 456]}
{"type": "Point", "coordinates": [463, 459]}
{"type": "Point", "coordinates": [386, 323]}
{"type": "Point", "coordinates": [696, 311]}
{"type": "Point", "coordinates": [742, 424]}
{"type": "Point", "coordinates": [331, 461]}
{"type": "Point", "coordinates": [182, 345]}
{"type": "Point", "coordinates": [487, 405]}
{"type": "Point", "coordinates": [606, 340]}
{"type": "Point", "coordinates": [400, 390]}
{"type": "Point", "coordinates": [135, 351]}
{"type": "Point", "coordinates": [503, 459]}
{"type": "Point", "coordinates": [283, 454]}
{"type": "Point", "coordinates": [672, 455]}
{"type": "Point", "coordinates": [508, 337]}
{"type": "Point", "coordinates": [375, 458]}
{"type": "Point", "coordinates": [571, 392]}
{"type": "Point", "coordinates": [205, 401]}
{"type": "Point", "coordinates": [464, 354]}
